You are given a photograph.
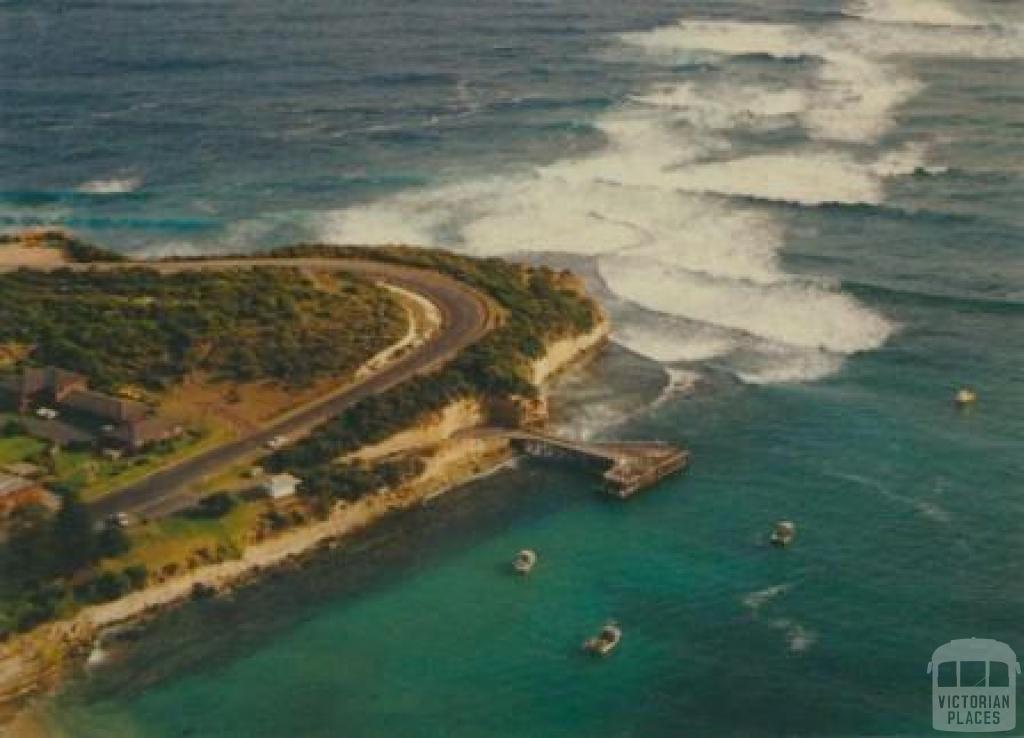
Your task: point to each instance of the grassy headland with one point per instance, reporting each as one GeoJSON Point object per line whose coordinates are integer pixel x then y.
{"type": "Point", "coordinates": [140, 333]}
{"type": "Point", "coordinates": [228, 532]}
{"type": "Point", "coordinates": [138, 327]}
{"type": "Point", "coordinates": [540, 305]}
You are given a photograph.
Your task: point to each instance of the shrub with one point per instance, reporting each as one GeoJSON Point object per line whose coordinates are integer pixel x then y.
{"type": "Point", "coordinates": [136, 576]}
{"type": "Point", "coordinates": [202, 591]}
{"type": "Point", "coordinates": [212, 507]}
{"type": "Point", "coordinates": [103, 587]}
{"type": "Point", "coordinates": [13, 427]}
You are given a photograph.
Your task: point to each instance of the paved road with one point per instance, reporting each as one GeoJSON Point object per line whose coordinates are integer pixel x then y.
{"type": "Point", "coordinates": [466, 317]}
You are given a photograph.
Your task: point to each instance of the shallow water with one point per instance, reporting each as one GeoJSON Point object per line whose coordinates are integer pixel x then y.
{"type": "Point", "coordinates": [806, 214]}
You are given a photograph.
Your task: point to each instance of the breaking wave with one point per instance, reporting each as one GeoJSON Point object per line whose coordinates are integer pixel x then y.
{"type": "Point", "coordinates": [918, 12]}
{"type": "Point", "coordinates": [111, 186]}
{"type": "Point", "coordinates": [672, 208]}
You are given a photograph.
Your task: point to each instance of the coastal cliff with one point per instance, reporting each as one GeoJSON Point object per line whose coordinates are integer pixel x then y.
{"type": "Point", "coordinates": [565, 352]}
{"type": "Point", "coordinates": [437, 427]}
{"type": "Point", "coordinates": [35, 662]}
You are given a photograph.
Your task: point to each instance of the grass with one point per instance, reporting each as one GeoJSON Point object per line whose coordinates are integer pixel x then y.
{"type": "Point", "coordinates": [96, 477]}
{"type": "Point", "coordinates": [174, 539]}
{"type": "Point", "coordinates": [232, 479]}
{"type": "Point", "coordinates": [18, 448]}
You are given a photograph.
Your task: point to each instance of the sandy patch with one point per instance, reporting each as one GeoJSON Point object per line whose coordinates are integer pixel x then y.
{"type": "Point", "coordinates": [20, 254]}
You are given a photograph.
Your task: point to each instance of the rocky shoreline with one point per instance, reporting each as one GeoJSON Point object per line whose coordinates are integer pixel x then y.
{"type": "Point", "coordinates": [37, 662]}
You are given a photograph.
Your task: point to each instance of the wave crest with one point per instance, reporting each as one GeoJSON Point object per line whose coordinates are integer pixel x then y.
{"type": "Point", "coordinates": [110, 186]}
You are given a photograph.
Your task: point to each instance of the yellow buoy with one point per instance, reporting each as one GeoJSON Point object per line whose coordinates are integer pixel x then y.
{"type": "Point", "coordinates": [965, 397]}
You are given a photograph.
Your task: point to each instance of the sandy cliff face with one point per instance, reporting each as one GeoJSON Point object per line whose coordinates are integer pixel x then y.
{"type": "Point", "coordinates": [566, 351]}
{"type": "Point", "coordinates": [470, 413]}
{"type": "Point", "coordinates": [457, 416]}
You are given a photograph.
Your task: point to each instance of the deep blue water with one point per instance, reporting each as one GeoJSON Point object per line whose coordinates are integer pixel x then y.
{"type": "Point", "coordinates": [806, 219]}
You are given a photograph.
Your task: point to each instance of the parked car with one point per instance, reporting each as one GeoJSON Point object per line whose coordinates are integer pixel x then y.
{"type": "Point", "coordinates": [277, 442]}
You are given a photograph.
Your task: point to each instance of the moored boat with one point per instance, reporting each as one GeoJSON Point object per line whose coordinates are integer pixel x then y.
{"type": "Point", "coordinates": [524, 561]}
{"type": "Point", "coordinates": [783, 533]}
{"type": "Point", "coordinates": [605, 641]}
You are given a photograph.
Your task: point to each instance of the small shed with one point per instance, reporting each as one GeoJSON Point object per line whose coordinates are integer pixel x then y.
{"type": "Point", "coordinates": [280, 486]}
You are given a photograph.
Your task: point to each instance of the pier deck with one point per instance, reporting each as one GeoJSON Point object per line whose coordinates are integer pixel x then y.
{"type": "Point", "coordinates": [627, 467]}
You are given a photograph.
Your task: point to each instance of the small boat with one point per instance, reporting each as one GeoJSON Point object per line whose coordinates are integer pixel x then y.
{"type": "Point", "coordinates": [524, 561]}
{"type": "Point", "coordinates": [605, 641]}
{"type": "Point", "coordinates": [965, 397]}
{"type": "Point", "coordinates": [783, 534]}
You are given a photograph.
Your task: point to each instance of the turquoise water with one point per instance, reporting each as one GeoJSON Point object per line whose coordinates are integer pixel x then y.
{"type": "Point", "coordinates": [805, 218]}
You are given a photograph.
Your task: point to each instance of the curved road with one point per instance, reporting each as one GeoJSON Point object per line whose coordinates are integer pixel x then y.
{"type": "Point", "coordinates": [466, 317]}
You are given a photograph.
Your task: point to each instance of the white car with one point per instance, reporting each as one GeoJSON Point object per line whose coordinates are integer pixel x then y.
{"type": "Point", "coordinates": [46, 413]}
{"type": "Point", "coordinates": [277, 442]}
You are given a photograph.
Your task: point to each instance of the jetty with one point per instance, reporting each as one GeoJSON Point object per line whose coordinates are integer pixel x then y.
{"type": "Point", "coordinates": [625, 467]}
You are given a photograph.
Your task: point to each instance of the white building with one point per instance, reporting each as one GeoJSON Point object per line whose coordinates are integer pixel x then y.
{"type": "Point", "coordinates": [280, 486]}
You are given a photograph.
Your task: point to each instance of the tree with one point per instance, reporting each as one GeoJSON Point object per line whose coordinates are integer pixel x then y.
{"type": "Point", "coordinates": [28, 556]}
{"type": "Point", "coordinates": [112, 541]}
{"type": "Point", "coordinates": [74, 540]}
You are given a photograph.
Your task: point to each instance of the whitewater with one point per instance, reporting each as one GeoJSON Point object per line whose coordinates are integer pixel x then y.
{"type": "Point", "coordinates": [680, 215]}
{"type": "Point", "coordinates": [805, 217]}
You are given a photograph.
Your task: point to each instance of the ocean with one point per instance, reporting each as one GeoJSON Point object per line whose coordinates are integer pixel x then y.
{"type": "Point", "coordinates": [805, 218]}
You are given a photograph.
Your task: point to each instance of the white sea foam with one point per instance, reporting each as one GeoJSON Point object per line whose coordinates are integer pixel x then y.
{"type": "Point", "coordinates": [671, 344]}
{"type": "Point", "coordinates": [783, 364]}
{"type": "Point", "coordinates": [794, 312]}
{"type": "Point", "coordinates": [895, 41]}
{"type": "Point", "coordinates": [722, 37]}
{"type": "Point", "coordinates": [806, 177]}
{"type": "Point", "coordinates": [855, 98]}
{"type": "Point", "coordinates": [710, 262]}
{"type": "Point", "coordinates": [799, 638]}
{"type": "Point", "coordinates": [918, 12]}
{"type": "Point", "coordinates": [754, 601]}
{"type": "Point", "coordinates": [682, 381]}
{"type": "Point", "coordinates": [858, 90]}
{"type": "Point", "coordinates": [721, 107]}
{"type": "Point", "coordinates": [111, 186]}
{"type": "Point", "coordinates": [669, 206]}
{"type": "Point", "coordinates": [97, 657]}
{"type": "Point", "coordinates": [175, 249]}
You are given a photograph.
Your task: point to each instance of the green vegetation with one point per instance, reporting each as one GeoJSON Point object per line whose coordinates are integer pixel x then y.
{"type": "Point", "coordinates": [86, 253]}
{"type": "Point", "coordinates": [89, 474]}
{"type": "Point", "coordinates": [326, 483]}
{"type": "Point", "coordinates": [93, 476]}
{"type": "Point", "coordinates": [197, 536]}
{"type": "Point", "coordinates": [19, 448]}
{"type": "Point", "coordinates": [540, 305]}
{"type": "Point", "coordinates": [138, 327]}
{"type": "Point", "coordinates": [212, 507]}
{"type": "Point", "coordinates": [46, 564]}
{"type": "Point", "coordinates": [51, 565]}
{"type": "Point", "coordinates": [141, 327]}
